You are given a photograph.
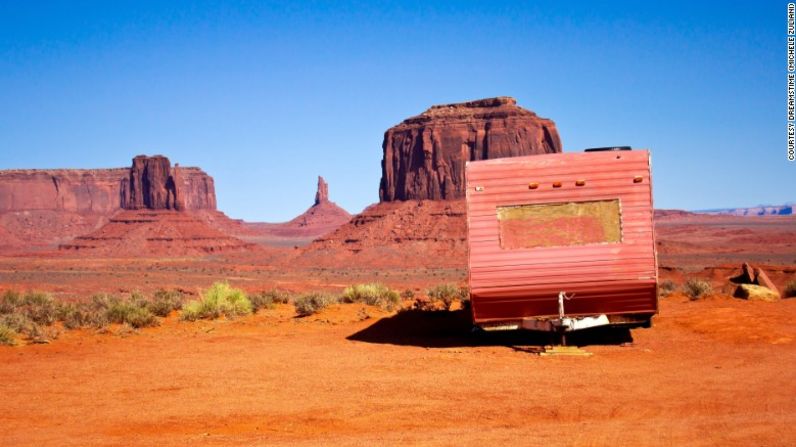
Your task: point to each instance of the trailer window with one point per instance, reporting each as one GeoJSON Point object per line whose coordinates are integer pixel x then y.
{"type": "Point", "coordinates": [559, 224]}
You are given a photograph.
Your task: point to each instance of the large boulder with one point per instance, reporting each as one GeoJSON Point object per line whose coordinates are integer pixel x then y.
{"type": "Point", "coordinates": [752, 292]}
{"type": "Point", "coordinates": [424, 156]}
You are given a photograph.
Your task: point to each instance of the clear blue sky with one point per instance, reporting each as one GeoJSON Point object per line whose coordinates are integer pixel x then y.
{"type": "Point", "coordinates": [266, 96]}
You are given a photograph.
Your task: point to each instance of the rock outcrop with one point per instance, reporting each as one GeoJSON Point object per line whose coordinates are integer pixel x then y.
{"type": "Point", "coordinates": [322, 195]}
{"type": "Point", "coordinates": [153, 184]}
{"type": "Point", "coordinates": [42, 207]}
{"type": "Point", "coordinates": [150, 183]}
{"type": "Point", "coordinates": [73, 190]}
{"type": "Point", "coordinates": [156, 233]}
{"type": "Point", "coordinates": [424, 156]}
{"type": "Point", "coordinates": [753, 292]}
{"type": "Point", "coordinates": [323, 217]}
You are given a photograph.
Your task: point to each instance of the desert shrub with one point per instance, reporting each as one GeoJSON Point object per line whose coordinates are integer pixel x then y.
{"type": "Point", "coordinates": [696, 288]}
{"type": "Point", "coordinates": [76, 316]}
{"type": "Point", "coordinates": [164, 302]}
{"type": "Point", "coordinates": [103, 301]}
{"type": "Point", "coordinates": [10, 301]}
{"type": "Point", "coordinates": [408, 294]}
{"type": "Point", "coordinates": [373, 294]}
{"type": "Point", "coordinates": [464, 297]}
{"type": "Point", "coordinates": [7, 336]}
{"type": "Point", "coordinates": [790, 289]}
{"type": "Point", "coordinates": [447, 294]}
{"type": "Point", "coordinates": [268, 299]}
{"type": "Point", "coordinates": [311, 303]}
{"type": "Point", "coordinates": [220, 299]}
{"type": "Point", "coordinates": [17, 322]}
{"type": "Point", "coordinates": [38, 307]}
{"type": "Point", "coordinates": [133, 312]}
{"type": "Point", "coordinates": [666, 287]}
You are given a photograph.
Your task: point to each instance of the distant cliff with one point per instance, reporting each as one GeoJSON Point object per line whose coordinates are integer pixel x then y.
{"type": "Point", "coordinates": [42, 207]}
{"type": "Point", "coordinates": [150, 183]}
{"type": "Point", "coordinates": [760, 210]}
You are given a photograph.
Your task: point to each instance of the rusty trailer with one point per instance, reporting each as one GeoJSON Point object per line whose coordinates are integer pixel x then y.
{"type": "Point", "coordinates": [561, 241]}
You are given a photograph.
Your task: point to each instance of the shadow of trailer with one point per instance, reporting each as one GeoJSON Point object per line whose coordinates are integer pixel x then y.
{"type": "Point", "coordinates": [562, 242]}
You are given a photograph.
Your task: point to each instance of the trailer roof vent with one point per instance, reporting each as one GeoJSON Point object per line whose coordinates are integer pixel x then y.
{"type": "Point", "coordinates": [607, 148]}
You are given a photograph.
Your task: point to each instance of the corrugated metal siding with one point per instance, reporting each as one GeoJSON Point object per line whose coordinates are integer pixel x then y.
{"type": "Point", "coordinates": [610, 278]}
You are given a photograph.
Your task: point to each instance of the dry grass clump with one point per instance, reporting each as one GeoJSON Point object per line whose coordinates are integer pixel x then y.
{"type": "Point", "coordinates": [447, 294]}
{"type": "Point", "coordinates": [790, 289]}
{"type": "Point", "coordinates": [164, 302]}
{"type": "Point", "coordinates": [696, 288]}
{"type": "Point", "coordinates": [7, 335]}
{"type": "Point", "coordinates": [268, 299]}
{"type": "Point", "coordinates": [220, 299]}
{"type": "Point", "coordinates": [313, 302]}
{"type": "Point", "coordinates": [27, 315]}
{"type": "Point", "coordinates": [666, 288]}
{"type": "Point", "coordinates": [372, 294]}
{"type": "Point", "coordinates": [134, 313]}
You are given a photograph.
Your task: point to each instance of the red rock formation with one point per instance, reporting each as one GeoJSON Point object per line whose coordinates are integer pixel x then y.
{"type": "Point", "coordinates": [156, 233]}
{"type": "Point", "coordinates": [430, 233]}
{"type": "Point", "coordinates": [322, 195]}
{"type": "Point", "coordinates": [74, 190]}
{"type": "Point", "coordinates": [153, 184]}
{"type": "Point", "coordinates": [323, 217]}
{"type": "Point", "coordinates": [50, 207]}
{"type": "Point", "coordinates": [424, 156]}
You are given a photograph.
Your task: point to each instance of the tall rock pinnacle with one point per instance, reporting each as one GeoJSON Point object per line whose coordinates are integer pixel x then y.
{"type": "Point", "coordinates": [322, 195]}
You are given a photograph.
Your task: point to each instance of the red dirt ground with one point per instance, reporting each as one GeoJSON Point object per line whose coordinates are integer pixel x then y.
{"type": "Point", "coordinates": [713, 372]}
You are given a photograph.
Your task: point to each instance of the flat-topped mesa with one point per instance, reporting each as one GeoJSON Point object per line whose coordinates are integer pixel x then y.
{"type": "Point", "coordinates": [154, 184]}
{"type": "Point", "coordinates": [150, 183]}
{"type": "Point", "coordinates": [424, 156]}
{"type": "Point", "coordinates": [322, 195]}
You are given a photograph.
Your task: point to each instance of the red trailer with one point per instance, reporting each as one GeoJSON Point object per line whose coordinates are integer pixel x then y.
{"type": "Point", "coordinates": [562, 241]}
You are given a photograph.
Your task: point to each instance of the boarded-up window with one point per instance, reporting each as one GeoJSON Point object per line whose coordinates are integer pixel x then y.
{"type": "Point", "coordinates": [559, 224]}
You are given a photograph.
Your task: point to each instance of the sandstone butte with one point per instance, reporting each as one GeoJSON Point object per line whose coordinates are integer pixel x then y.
{"type": "Point", "coordinates": [424, 156]}
{"type": "Point", "coordinates": [43, 207]}
{"type": "Point", "coordinates": [421, 214]}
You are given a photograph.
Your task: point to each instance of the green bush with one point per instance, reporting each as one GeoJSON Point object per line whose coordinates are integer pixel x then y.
{"type": "Point", "coordinates": [311, 303]}
{"type": "Point", "coordinates": [268, 299]}
{"type": "Point", "coordinates": [133, 312]}
{"type": "Point", "coordinates": [164, 302]}
{"type": "Point", "coordinates": [790, 289]}
{"type": "Point", "coordinates": [697, 288]}
{"type": "Point", "coordinates": [448, 293]}
{"type": "Point", "coordinates": [7, 336]}
{"type": "Point", "coordinates": [373, 294]}
{"type": "Point", "coordinates": [666, 287]}
{"type": "Point", "coordinates": [220, 299]}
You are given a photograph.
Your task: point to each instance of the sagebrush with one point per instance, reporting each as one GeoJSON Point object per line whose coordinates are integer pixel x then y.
{"type": "Point", "coordinates": [313, 302]}
{"type": "Point", "coordinates": [269, 299]}
{"type": "Point", "coordinates": [696, 288]}
{"type": "Point", "coordinates": [220, 299]}
{"type": "Point", "coordinates": [447, 294]}
{"type": "Point", "coordinates": [372, 294]}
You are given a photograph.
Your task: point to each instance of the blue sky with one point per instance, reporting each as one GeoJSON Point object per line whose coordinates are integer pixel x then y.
{"type": "Point", "coordinates": [266, 96]}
